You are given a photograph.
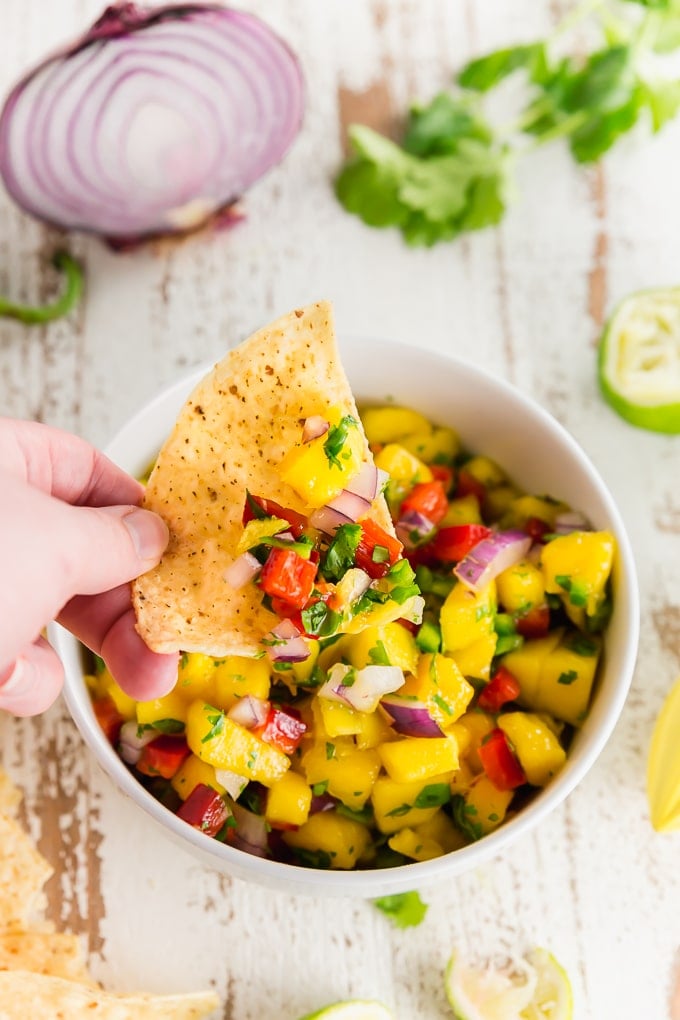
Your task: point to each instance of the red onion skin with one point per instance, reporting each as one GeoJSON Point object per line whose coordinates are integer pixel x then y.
{"type": "Point", "coordinates": [122, 20]}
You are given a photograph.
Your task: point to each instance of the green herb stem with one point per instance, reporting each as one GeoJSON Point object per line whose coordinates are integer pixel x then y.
{"type": "Point", "coordinates": [37, 315]}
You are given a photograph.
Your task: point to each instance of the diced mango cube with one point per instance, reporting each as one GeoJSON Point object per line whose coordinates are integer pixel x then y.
{"type": "Point", "coordinates": [390, 644]}
{"type": "Point", "coordinates": [318, 473]}
{"type": "Point", "coordinates": [402, 467]}
{"type": "Point", "coordinates": [398, 805]}
{"type": "Point", "coordinates": [567, 677]}
{"type": "Point", "coordinates": [374, 730]}
{"type": "Point", "coordinates": [439, 684]}
{"type": "Point", "coordinates": [127, 706]}
{"type": "Point", "coordinates": [486, 471]}
{"type": "Point", "coordinates": [349, 772]}
{"type": "Point", "coordinates": [337, 842]}
{"type": "Point", "coordinates": [441, 829]}
{"type": "Point", "coordinates": [338, 720]}
{"type": "Point", "coordinates": [388, 424]}
{"type": "Point", "coordinates": [302, 671]}
{"type": "Point", "coordinates": [466, 616]}
{"type": "Point", "coordinates": [475, 659]}
{"type": "Point", "coordinates": [539, 751]}
{"type": "Point", "coordinates": [414, 845]}
{"type": "Point", "coordinates": [526, 663]}
{"type": "Point", "coordinates": [288, 801]}
{"type": "Point", "coordinates": [438, 446]}
{"type": "Point", "coordinates": [485, 806]}
{"type": "Point", "coordinates": [577, 567]}
{"type": "Point", "coordinates": [195, 676]}
{"type": "Point", "coordinates": [191, 773]}
{"type": "Point", "coordinates": [236, 675]}
{"type": "Point", "coordinates": [170, 706]}
{"type": "Point", "coordinates": [416, 758]}
{"type": "Point", "coordinates": [463, 510]}
{"type": "Point", "coordinates": [218, 740]}
{"type": "Point", "coordinates": [525, 507]}
{"type": "Point", "coordinates": [478, 724]}
{"type": "Point", "coordinates": [520, 587]}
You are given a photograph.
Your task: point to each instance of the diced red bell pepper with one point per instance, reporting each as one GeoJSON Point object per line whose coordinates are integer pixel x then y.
{"type": "Point", "coordinates": [453, 543]}
{"type": "Point", "coordinates": [443, 474]}
{"type": "Point", "coordinates": [298, 522]}
{"type": "Point", "coordinates": [428, 499]}
{"type": "Point", "coordinates": [412, 628]}
{"type": "Point", "coordinates": [501, 688]}
{"type": "Point", "coordinates": [163, 756]}
{"type": "Point", "coordinates": [372, 537]}
{"type": "Point", "coordinates": [282, 729]}
{"type": "Point", "coordinates": [500, 764]}
{"type": "Point", "coordinates": [535, 623]}
{"type": "Point", "coordinates": [108, 717]}
{"type": "Point", "coordinates": [468, 485]}
{"type": "Point", "coordinates": [288, 576]}
{"type": "Point", "coordinates": [536, 529]}
{"type": "Point", "coordinates": [204, 809]}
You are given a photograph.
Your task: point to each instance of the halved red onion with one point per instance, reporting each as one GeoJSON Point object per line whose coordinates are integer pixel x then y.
{"type": "Point", "coordinates": [131, 741]}
{"type": "Point", "coordinates": [287, 643]}
{"type": "Point", "coordinates": [328, 520]}
{"type": "Point", "coordinates": [491, 557]}
{"type": "Point", "coordinates": [250, 833]}
{"type": "Point", "coordinates": [249, 711]}
{"type": "Point", "coordinates": [571, 520]}
{"type": "Point", "coordinates": [361, 688]}
{"type": "Point", "coordinates": [413, 528]}
{"type": "Point", "coordinates": [244, 568]}
{"type": "Point", "coordinates": [231, 781]}
{"type": "Point", "coordinates": [151, 123]}
{"type": "Point", "coordinates": [365, 483]}
{"type": "Point", "coordinates": [314, 427]}
{"type": "Point", "coordinates": [410, 716]}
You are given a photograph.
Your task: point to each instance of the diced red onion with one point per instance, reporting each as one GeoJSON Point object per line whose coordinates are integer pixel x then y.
{"type": "Point", "coordinates": [351, 587]}
{"type": "Point", "coordinates": [492, 556]}
{"type": "Point", "coordinates": [314, 427]}
{"type": "Point", "coordinates": [366, 688]}
{"type": "Point", "coordinates": [350, 505]}
{"type": "Point", "coordinates": [250, 833]}
{"type": "Point", "coordinates": [413, 609]}
{"type": "Point", "coordinates": [289, 645]}
{"type": "Point", "coordinates": [365, 483]}
{"type": "Point", "coordinates": [410, 717]}
{"type": "Point", "coordinates": [152, 122]}
{"type": "Point", "coordinates": [249, 711]}
{"type": "Point", "coordinates": [131, 741]}
{"type": "Point", "coordinates": [412, 528]}
{"type": "Point", "coordinates": [571, 520]}
{"type": "Point", "coordinates": [231, 781]}
{"type": "Point", "coordinates": [244, 568]}
{"type": "Point", "coordinates": [322, 802]}
{"type": "Point", "coordinates": [328, 520]}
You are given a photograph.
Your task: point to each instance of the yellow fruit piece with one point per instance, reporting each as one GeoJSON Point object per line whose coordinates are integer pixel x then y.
{"type": "Point", "coordinates": [526, 663]}
{"type": "Point", "coordinates": [557, 677]}
{"type": "Point", "coordinates": [126, 705]}
{"type": "Point", "coordinates": [441, 829]}
{"type": "Point", "coordinates": [486, 471]}
{"type": "Point", "coordinates": [192, 772]}
{"type": "Point", "coordinates": [415, 758]}
{"type": "Point", "coordinates": [96, 685]}
{"type": "Point", "coordinates": [342, 840]}
{"type": "Point", "coordinates": [497, 501]}
{"type": "Point", "coordinates": [256, 530]}
{"type": "Point", "coordinates": [414, 845]}
{"type": "Point", "coordinates": [195, 677]}
{"type": "Point", "coordinates": [375, 644]}
{"type": "Point", "coordinates": [388, 424]}
{"type": "Point", "coordinates": [663, 766]}
{"type": "Point", "coordinates": [486, 806]}
{"type": "Point", "coordinates": [438, 446]}
{"type": "Point", "coordinates": [288, 801]}
{"type": "Point", "coordinates": [171, 706]}
{"type": "Point", "coordinates": [463, 738]}
{"type": "Point", "coordinates": [440, 685]}
{"type": "Point", "coordinates": [525, 507]}
{"type": "Point", "coordinates": [224, 744]}
{"type": "Point", "coordinates": [463, 778]}
{"type": "Point", "coordinates": [520, 587]}
{"type": "Point", "coordinates": [374, 730]}
{"type": "Point", "coordinates": [349, 772]}
{"type": "Point", "coordinates": [539, 751]}
{"type": "Point", "coordinates": [395, 805]}
{"type": "Point", "coordinates": [378, 615]}
{"type": "Point", "coordinates": [467, 616]}
{"type": "Point", "coordinates": [478, 724]}
{"type": "Point", "coordinates": [336, 652]}
{"type": "Point", "coordinates": [235, 676]}
{"type": "Point", "coordinates": [464, 510]}
{"type": "Point", "coordinates": [317, 475]}
{"type": "Point", "coordinates": [338, 720]}
{"type": "Point", "coordinates": [402, 466]}
{"type": "Point", "coordinates": [301, 671]}
{"type": "Point", "coordinates": [577, 567]}
{"type": "Point", "coordinates": [475, 659]}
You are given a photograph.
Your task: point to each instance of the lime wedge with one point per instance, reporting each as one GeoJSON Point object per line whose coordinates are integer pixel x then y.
{"type": "Point", "coordinates": [533, 989]}
{"type": "Point", "coordinates": [663, 766]}
{"type": "Point", "coordinates": [356, 1009]}
{"type": "Point", "coordinates": [639, 360]}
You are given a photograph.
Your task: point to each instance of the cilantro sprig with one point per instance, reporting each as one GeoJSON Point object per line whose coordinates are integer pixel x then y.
{"type": "Point", "coordinates": [405, 910]}
{"type": "Point", "coordinates": [453, 171]}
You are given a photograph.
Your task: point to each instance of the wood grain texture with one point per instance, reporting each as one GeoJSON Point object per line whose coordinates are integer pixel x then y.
{"type": "Point", "coordinates": [526, 301]}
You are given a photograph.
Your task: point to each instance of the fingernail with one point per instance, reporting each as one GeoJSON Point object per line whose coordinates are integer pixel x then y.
{"type": "Point", "coordinates": [148, 532]}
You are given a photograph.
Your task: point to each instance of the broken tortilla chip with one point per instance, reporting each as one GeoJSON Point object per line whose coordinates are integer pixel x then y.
{"type": "Point", "coordinates": [231, 438]}
{"type": "Point", "coordinates": [56, 953]}
{"type": "Point", "coordinates": [25, 995]}
{"type": "Point", "coordinates": [23, 872]}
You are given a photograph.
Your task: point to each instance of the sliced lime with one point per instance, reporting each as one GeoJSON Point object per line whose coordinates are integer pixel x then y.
{"type": "Point", "coordinates": [663, 766]}
{"type": "Point", "coordinates": [639, 360]}
{"type": "Point", "coordinates": [488, 993]}
{"type": "Point", "coordinates": [552, 998]}
{"type": "Point", "coordinates": [356, 1009]}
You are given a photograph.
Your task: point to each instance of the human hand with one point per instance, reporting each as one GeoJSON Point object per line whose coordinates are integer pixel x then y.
{"type": "Point", "coordinates": [71, 536]}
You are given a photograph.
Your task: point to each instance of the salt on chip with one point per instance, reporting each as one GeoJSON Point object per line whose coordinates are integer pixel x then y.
{"type": "Point", "coordinates": [23, 872]}
{"type": "Point", "coordinates": [59, 954]}
{"type": "Point", "coordinates": [231, 436]}
{"type": "Point", "coordinates": [28, 996]}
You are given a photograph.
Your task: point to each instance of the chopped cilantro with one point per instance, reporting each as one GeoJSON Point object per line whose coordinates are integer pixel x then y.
{"type": "Point", "coordinates": [581, 645]}
{"type": "Point", "coordinates": [341, 552]}
{"type": "Point", "coordinates": [184, 660]}
{"type": "Point", "coordinates": [442, 704]}
{"type": "Point", "coordinates": [433, 795]}
{"type": "Point", "coordinates": [405, 910]}
{"type": "Point", "coordinates": [463, 817]}
{"type": "Point", "coordinates": [99, 664]}
{"type": "Point", "coordinates": [399, 812]}
{"type": "Point", "coordinates": [568, 677]}
{"type": "Point", "coordinates": [363, 815]}
{"type": "Point", "coordinates": [320, 788]}
{"type": "Point", "coordinates": [330, 751]}
{"type": "Point", "coordinates": [349, 678]}
{"type": "Point", "coordinates": [216, 726]}
{"type": "Point", "coordinates": [320, 620]}
{"type": "Point", "coordinates": [336, 438]}
{"type": "Point", "coordinates": [378, 655]}
{"type": "Point", "coordinates": [313, 858]}
{"type": "Point", "coordinates": [169, 726]}
{"type": "Point", "coordinates": [316, 678]}
{"type": "Point", "coordinates": [283, 667]}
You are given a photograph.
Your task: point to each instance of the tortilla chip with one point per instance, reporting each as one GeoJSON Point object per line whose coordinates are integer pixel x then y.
{"type": "Point", "coordinates": [58, 954]}
{"type": "Point", "coordinates": [10, 796]}
{"type": "Point", "coordinates": [231, 436]}
{"type": "Point", "coordinates": [23, 872]}
{"type": "Point", "coordinates": [25, 995]}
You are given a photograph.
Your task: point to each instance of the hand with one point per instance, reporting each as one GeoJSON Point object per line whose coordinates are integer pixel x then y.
{"type": "Point", "coordinates": [71, 536]}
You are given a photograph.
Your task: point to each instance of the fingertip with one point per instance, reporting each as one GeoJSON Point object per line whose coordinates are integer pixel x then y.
{"type": "Point", "coordinates": [141, 673]}
{"type": "Point", "coordinates": [35, 682]}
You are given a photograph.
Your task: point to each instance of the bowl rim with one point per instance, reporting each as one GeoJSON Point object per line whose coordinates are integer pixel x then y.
{"type": "Point", "coordinates": [365, 882]}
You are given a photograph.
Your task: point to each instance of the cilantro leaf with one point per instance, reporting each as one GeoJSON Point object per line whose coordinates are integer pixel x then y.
{"type": "Point", "coordinates": [320, 620]}
{"type": "Point", "coordinates": [405, 910]}
{"type": "Point", "coordinates": [436, 129]}
{"type": "Point", "coordinates": [485, 72]}
{"type": "Point", "coordinates": [336, 438]}
{"type": "Point", "coordinates": [341, 552]}
{"type": "Point", "coordinates": [378, 655]}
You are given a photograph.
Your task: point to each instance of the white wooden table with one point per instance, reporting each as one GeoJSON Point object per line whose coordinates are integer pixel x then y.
{"type": "Point", "coordinates": [594, 884]}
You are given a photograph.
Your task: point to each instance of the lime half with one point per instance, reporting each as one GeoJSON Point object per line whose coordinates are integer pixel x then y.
{"type": "Point", "coordinates": [533, 989]}
{"type": "Point", "coordinates": [663, 766]}
{"type": "Point", "coordinates": [639, 360]}
{"type": "Point", "coordinates": [356, 1009]}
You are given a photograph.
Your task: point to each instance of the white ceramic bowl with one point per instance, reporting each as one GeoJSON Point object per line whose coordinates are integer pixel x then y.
{"type": "Point", "coordinates": [492, 418]}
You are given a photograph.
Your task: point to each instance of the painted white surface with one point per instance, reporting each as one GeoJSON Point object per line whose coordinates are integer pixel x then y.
{"type": "Point", "coordinates": [594, 883]}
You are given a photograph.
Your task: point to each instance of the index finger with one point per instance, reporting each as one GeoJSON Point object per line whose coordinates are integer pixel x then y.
{"type": "Point", "coordinates": [64, 465]}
